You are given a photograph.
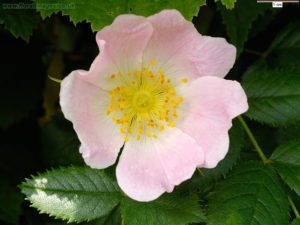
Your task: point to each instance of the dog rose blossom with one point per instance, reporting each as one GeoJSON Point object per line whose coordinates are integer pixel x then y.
{"type": "Point", "coordinates": [157, 89]}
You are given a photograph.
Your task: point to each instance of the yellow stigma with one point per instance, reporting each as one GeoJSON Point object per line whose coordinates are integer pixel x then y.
{"type": "Point", "coordinates": [143, 102]}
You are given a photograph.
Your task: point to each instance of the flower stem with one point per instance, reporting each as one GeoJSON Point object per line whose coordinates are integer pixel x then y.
{"type": "Point", "coordinates": [294, 207]}
{"type": "Point", "coordinates": [264, 159]}
{"type": "Point", "coordinates": [55, 79]}
{"type": "Point", "coordinates": [253, 140]}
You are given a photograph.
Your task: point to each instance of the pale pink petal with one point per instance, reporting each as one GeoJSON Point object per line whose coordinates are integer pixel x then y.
{"type": "Point", "coordinates": [215, 56]}
{"type": "Point", "coordinates": [121, 48]}
{"type": "Point", "coordinates": [148, 168]}
{"type": "Point", "coordinates": [85, 105]}
{"type": "Point", "coordinates": [210, 105]}
{"type": "Point", "coordinates": [181, 51]}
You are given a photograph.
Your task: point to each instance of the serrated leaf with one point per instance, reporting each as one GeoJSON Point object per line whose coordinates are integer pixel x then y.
{"type": "Point", "coordinates": [188, 8]}
{"type": "Point", "coordinates": [273, 96]}
{"type": "Point", "coordinates": [170, 209]}
{"type": "Point", "coordinates": [73, 194]}
{"type": "Point", "coordinates": [60, 143]}
{"type": "Point", "coordinates": [237, 138]}
{"type": "Point", "coordinates": [286, 160]}
{"type": "Point", "coordinates": [102, 14]}
{"type": "Point", "coordinates": [239, 20]}
{"type": "Point", "coordinates": [251, 195]}
{"type": "Point", "coordinates": [20, 22]}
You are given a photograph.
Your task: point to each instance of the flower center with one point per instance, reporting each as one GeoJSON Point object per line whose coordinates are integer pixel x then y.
{"type": "Point", "coordinates": [143, 102]}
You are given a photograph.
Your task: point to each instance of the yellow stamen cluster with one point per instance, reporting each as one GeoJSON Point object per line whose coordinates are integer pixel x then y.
{"type": "Point", "coordinates": [143, 102]}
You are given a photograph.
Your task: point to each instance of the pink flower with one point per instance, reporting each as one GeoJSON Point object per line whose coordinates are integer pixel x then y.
{"type": "Point", "coordinates": [157, 88]}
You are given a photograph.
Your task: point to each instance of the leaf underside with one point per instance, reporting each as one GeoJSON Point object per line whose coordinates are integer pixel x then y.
{"type": "Point", "coordinates": [72, 194]}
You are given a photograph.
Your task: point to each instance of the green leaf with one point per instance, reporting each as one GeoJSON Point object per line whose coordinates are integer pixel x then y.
{"type": "Point", "coordinates": [287, 162]}
{"type": "Point", "coordinates": [239, 20]}
{"type": "Point", "coordinates": [114, 218]}
{"type": "Point", "coordinates": [251, 195]}
{"type": "Point", "coordinates": [229, 4]}
{"type": "Point", "coordinates": [20, 22]}
{"type": "Point", "coordinates": [296, 222]}
{"type": "Point", "coordinates": [286, 134]}
{"type": "Point", "coordinates": [272, 83]}
{"type": "Point", "coordinates": [170, 209]}
{"type": "Point", "coordinates": [287, 38]}
{"type": "Point", "coordinates": [60, 145]}
{"type": "Point", "coordinates": [73, 194]}
{"type": "Point", "coordinates": [188, 8]}
{"type": "Point", "coordinates": [273, 96]}
{"type": "Point", "coordinates": [237, 138]}
{"type": "Point", "coordinates": [102, 14]}
{"type": "Point", "coordinates": [285, 49]}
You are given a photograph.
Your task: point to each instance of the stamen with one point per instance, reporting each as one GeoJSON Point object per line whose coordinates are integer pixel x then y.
{"type": "Point", "coordinates": [144, 103]}
{"type": "Point", "coordinates": [184, 80]}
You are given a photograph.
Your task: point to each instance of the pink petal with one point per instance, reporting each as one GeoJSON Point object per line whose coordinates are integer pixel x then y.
{"type": "Point", "coordinates": [149, 168]}
{"type": "Point", "coordinates": [121, 48]}
{"type": "Point", "coordinates": [211, 104]}
{"type": "Point", "coordinates": [85, 105]}
{"type": "Point", "coordinates": [180, 50]}
{"type": "Point", "coordinates": [215, 56]}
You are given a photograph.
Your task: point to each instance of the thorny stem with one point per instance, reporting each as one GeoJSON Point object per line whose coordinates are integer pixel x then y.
{"type": "Point", "coordinates": [264, 159]}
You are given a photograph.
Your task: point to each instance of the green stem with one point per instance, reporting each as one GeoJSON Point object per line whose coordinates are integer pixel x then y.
{"type": "Point", "coordinates": [55, 79]}
{"type": "Point", "coordinates": [253, 140]}
{"type": "Point", "coordinates": [200, 172]}
{"type": "Point", "coordinates": [264, 159]}
{"type": "Point", "coordinates": [294, 208]}
{"type": "Point", "coordinates": [122, 222]}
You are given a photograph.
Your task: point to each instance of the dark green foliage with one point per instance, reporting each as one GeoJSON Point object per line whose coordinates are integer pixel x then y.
{"type": "Point", "coordinates": [10, 203]}
{"type": "Point", "coordinates": [273, 96]}
{"type": "Point", "coordinates": [272, 83]}
{"type": "Point", "coordinates": [170, 209]}
{"type": "Point", "coordinates": [296, 222]}
{"type": "Point", "coordinates": [100, 15]}
{"type": "Point", "coordinates": [112, 218]}
{"type": "Point", "coordinates": [252, 194]}
{"type": "Point", "coordinates": [287, 161]}
{"type": "Point", "coordinates": [20, 22]}
{"type": "Point", "coordinates": [60, 143]}
{"type": "Point", "coordinates": [239, 20]}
